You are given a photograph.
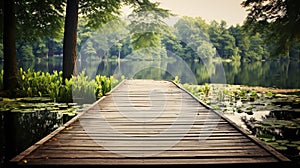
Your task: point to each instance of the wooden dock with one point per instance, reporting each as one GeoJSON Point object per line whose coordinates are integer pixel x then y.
{"type": "Point", "coordinates": [146, 122]}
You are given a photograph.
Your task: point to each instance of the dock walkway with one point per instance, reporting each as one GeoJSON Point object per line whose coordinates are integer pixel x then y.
{"type": "Point", "coordinates": [147, 122]}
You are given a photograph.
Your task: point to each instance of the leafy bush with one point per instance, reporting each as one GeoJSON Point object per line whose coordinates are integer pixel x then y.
{"type": "Point", "coordinates": [44, 84]}
{"type": "Point", "coordinates": [39, 83]}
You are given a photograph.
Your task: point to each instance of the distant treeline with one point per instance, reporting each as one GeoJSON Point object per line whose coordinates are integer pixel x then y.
{"type": "Point", "coordinates": [189, 38]}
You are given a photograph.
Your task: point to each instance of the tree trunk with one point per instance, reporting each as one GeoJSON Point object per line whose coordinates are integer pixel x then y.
{"type": "Point", "coordinates": [119, 60]}
{"type": "Point", "coordinates": [9, 47]}
{"type": "Point", "coordinates": [50, 45]}
{"type": "Point", "coordinates": [70, 37]}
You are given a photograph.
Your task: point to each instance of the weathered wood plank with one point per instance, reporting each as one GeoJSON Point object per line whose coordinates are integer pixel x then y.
{"type": "Point", "coordinates": [124, 154]}
{"type": "Point", "coordinates": [140, 112]}
{"type": "Point", "coordinates": [151, 161]}
{"type": "Point", "coordinates": [150, 148]}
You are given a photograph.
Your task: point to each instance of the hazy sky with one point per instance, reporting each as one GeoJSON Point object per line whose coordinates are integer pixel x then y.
{"type": "Point", "coordinates": [229, 10]}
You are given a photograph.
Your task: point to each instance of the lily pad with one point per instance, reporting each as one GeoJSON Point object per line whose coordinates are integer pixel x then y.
{"type": "Point", "coordinates": [291, 145]}
{"type": "Point", "coordinates": [280, 148]}
{"type": "Point", "coordinates": [266, 137]}
{"type": "Point", "coordinates": [282, 141]}
{"type": "Point", "coordinates": [72, 104]}
{"type": "Point", "coordinates": [296, 142]}
{"type": "Point", "coordinates": [4, 109]}
{"type": "Point", "coordinates": [272, 144]}
{"type": "Point", "coordinates": [62, 107]}
{"type": "Point", "coordinates": [36, 99]}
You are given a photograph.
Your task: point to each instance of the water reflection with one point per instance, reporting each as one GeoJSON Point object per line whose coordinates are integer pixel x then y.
{"type": "Point", "coordinates": [281, 74]}
{"type": "Point", "coordinates": [268, 74]}
{"type": "Point", "coordinates": [279, 129]}
{"type": "Point", "coordinates": [21, 130]}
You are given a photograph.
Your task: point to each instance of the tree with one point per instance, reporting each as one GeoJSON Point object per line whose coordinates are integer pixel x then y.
{"type": "Point", "coordinates": [257, 49]}
{"type": "Point", "coordinates": [97, 12]}
{"type": "Point", "coordinates": [193, 33]}
{"type": "Point", "coordinates": [206, 50]}
{"type": "Point", "coordinates": [242, 40]}
{"type": "Point", "coordinates": [147, 28]}
{"type": "Point", "coordinates": [28, 21]}
{"type": "Point", "coordinates": [278, 19]}
{"type": "Point", "coordinates": [172, 45]}
{"type": "Point", "coordinates": [9, 46]}
{"type": "Point", "coordinates": [223, 40]}
{"type": "Point", "coordinates": [25, 52]}
{"type": "Point", "coordinates": [70, 37]}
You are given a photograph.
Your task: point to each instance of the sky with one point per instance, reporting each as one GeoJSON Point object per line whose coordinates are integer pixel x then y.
{"type": "Point", "coordinates": [229, 10]}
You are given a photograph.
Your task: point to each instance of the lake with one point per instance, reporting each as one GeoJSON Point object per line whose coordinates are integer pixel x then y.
{"type": "Point", "coordinates": [280, 74]}
{"type": "Point", "coordinates": [268, 74]}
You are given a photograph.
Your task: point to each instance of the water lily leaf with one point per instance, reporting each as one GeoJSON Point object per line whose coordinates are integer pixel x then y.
{"type": "Point", "coordinates": [281, 148]}
{"type": "Point", "coordinates": [282, 141]}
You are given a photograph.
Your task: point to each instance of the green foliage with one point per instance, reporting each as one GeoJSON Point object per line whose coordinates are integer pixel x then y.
{"type": "Point", "coordinates": [278, 20]}
{"type": "Point", "coordinates": [223, 40]}
{"type": "Point", "coordinates": [44, 84]}
{"type": "Point", "coordinates": [39, 83]}
{"type": "Point", "coordinates": [270, 95]}
{"type": "Point", "coordinates": [193, 32]}
{"type": "Point", "coordinates": [197, 90]}
{"type": "Point", "coordinates": [25, 52]}
{"type": "Point", "coordinates": [186, 86]}
{"type": "Point", "coordinates": [147, 28]}
{"type": "Point", "coordinates": [206, 50]}
{"type": "Point", "coordinates": [266, 137]}
{"type": "Point", "coordinates": [103, 85]}
{"type": "Point", "coordinates": [38, 19]}
{"type": "Point", "coordinates": [82, 87]}
{"type": "Point", "coordinates": [98, 12]}
{"type": "Point", "coordinates": [206, 89]}
{"type": "Point", "coordinates": [176, 79]}
{"type": "Point", "coordinates": [253, 94]}
{"type": "Point", "coordinates": [41, 23]}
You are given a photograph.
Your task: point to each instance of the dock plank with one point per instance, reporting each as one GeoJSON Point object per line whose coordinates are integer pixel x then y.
{"type": "Point", "coordinates": [147, 122]}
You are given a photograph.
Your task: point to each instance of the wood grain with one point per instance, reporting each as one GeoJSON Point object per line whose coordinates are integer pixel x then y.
{"type": "Point", "coordinates": [147, 116]}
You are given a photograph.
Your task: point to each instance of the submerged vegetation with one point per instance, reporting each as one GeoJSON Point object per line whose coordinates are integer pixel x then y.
{"type": "Point", "coordinates": [273, 115]}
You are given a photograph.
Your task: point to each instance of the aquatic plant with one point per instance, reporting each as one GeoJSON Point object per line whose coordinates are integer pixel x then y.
{"type": "Point", "coordinates": [176, 80]}
{"type": "Point", "coordinates": [44, 84]}
{"type": "Point", "coordinates": [280, 128]}
{"type": "Point", "coordinates": [269, 95]}
{"type": "Point", "coordinates": [206, 89]}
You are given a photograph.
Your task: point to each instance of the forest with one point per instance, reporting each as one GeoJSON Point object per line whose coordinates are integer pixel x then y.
{"type": "Point", "coordinates": [257, 62]}
{"type": "Point", "coordinates": [189, 38]}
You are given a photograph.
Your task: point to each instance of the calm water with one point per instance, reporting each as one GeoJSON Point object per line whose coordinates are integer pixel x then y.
{"type": "Point", "coordinates": [28, 128]}
{"type": "Point", "coordinates": [23, 130]}
{"type": "Point", "coordinates": [269, 73]}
